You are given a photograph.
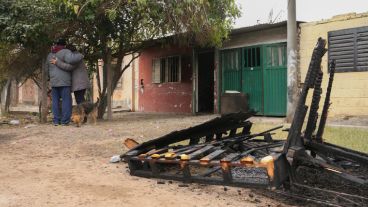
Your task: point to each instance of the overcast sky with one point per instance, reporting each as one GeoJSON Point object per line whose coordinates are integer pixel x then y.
{"type": "Point", "coordinates": [306, 10]}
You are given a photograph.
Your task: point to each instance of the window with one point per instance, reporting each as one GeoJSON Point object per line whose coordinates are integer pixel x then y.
{"type": "Point", "coordinates": [167, 69]}
{"type": "Point", "coordinates": [173, 69]}
{"type": "Point", "coordinates": [252, 57]}
{"type": "Point", "coordinates": [349, 47]}
{"type": "Point", "coordinates": [162, 70]}
{"type": "Point", "coordinates": [156, 71]}
{"type": "Point", "coordinates": [230, 60]}
{"type": "Point", "coordinates": [276, 56]}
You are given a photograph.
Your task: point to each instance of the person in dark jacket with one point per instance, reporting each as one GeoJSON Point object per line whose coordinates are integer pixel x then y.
{"type": "Point", "coordinates": [80, 80]}
{"type": "Point", "coordinates": [61, 81]}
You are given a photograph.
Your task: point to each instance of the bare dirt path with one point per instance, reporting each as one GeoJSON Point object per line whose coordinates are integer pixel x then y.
{"type": "Point", "coordinates": [45, 165]}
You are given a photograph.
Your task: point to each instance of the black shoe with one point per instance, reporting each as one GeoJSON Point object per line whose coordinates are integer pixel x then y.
{"type": "Point", "coordinates": [66, 124]}
{"type": "Point", "coordinates": [56, 124]}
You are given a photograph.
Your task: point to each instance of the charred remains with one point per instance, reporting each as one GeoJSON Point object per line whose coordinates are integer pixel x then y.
{"type": "Point", "coordinates": [224, 151]}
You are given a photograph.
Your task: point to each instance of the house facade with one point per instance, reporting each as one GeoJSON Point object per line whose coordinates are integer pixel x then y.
{"type": "Point", "coordinates": [165, 79]}
{"type": "Point", "coordinates": [194, 80]}
{"type": "Point", "coordinates": [347, 37]}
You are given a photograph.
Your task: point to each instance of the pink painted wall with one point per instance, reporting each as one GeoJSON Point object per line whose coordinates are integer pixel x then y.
{"type": "Point", "coordinates": [165, 97]}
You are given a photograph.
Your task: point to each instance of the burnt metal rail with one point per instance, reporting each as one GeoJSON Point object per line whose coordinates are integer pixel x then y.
{"type": "Point", "coordinates": [223, 151]}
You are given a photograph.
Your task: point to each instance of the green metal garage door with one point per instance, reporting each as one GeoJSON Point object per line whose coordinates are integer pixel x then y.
{"type": "Point", "coordinates": [275, 79]}
{"type": "Point", "coordinates": [261, 72]}
{"type": "Point", "coordinates": [252, 81]}
{"type": "Point", "coordinates": [230, 62]}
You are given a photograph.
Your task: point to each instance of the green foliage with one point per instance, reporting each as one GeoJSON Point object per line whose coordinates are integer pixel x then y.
{"type": "Point", "coordinates": [129, 23]}
{"type": "Point", "coordinates": [28, 23]}
{"type": "Point", "coordinates": [207, 22]}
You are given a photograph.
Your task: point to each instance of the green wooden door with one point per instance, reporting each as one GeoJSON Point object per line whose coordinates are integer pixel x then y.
{"type": "Point", "coordinates": [230, 62]}
{"type": "Point", "coordinates": [275, 79]}
{"type": "Point", "coordinates": [252, 78]}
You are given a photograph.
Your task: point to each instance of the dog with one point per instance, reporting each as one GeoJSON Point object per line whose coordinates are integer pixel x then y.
{"type": "Point", "coordinates": [83, 110]}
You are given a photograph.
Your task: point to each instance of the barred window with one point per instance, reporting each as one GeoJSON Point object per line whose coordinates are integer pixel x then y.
{"type": "Point", "coordinates": [252, 57]}
{"type": "Point", "coordinates": [162, 70]}
{"type": "Point", "coordinates": [349, 47]}
{"type": "Point", "coordinates": [167, 69]}
{"type": "Point", "coordinates": [173, 69]}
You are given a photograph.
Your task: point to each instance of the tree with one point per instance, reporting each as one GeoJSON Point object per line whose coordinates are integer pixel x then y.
{"type": "Point", "coordinates": [111, 30]}
{"type": "Point", "coordinates": [27, 28]}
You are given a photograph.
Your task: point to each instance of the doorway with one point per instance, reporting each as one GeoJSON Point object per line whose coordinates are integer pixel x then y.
{"type": "Point", "coordinates": [206, 82]}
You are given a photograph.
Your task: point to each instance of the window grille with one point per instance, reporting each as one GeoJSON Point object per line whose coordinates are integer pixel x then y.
{"type": "Point", "coordinates": [349, 48]}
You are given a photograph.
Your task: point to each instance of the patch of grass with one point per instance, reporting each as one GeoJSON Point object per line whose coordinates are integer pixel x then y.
{"type": "Point", "coordinates": [352, 138]}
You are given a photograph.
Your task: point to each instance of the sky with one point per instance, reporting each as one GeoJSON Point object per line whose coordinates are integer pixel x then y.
{"type": "Point", "coordinates": [306, 10]}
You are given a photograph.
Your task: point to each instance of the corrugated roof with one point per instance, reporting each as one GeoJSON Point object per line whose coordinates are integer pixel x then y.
{"type": "Point", "coordinates": [260, 27]}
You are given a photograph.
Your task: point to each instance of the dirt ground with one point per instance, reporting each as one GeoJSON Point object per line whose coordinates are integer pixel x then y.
{"type": "Point", "coordinates": [44, 165]}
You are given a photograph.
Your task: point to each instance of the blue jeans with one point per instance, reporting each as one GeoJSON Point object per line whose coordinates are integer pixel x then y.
{"type": "Point", "coordinates": [64, 94]}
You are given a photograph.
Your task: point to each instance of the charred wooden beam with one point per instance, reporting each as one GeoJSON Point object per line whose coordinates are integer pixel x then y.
{"type": "Point", "coordinates": [337, 151]}
{"type": "Point", "coordinates": [215, 126]}
{"type": "Point", "coordinates": [326, 105]}
{"type": "Point", "coordinates": [294, 136]}
{"type": "Point", "coordinates": [313, 112]}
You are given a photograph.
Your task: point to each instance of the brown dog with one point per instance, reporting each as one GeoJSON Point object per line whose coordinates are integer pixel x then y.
{"type": "Point", "coordinates": [83, 110]}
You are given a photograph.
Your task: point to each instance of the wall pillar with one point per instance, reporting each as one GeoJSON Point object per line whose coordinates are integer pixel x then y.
{"type": "Point", "coordinates": [292, 69]}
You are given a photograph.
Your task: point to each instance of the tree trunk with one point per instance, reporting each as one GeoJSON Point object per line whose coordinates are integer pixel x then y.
{"type": "Point", "coordinates": [109, 85]}
{"type": "Point", "coordinates": [5, 98]}
{"type": "Point", "coordinates": [102, 106]}
{"type": "Point", "coordinates": [44, 109]}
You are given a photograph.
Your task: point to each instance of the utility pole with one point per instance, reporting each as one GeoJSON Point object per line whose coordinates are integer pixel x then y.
{"type": "Point", "coordinates": [292, 60]}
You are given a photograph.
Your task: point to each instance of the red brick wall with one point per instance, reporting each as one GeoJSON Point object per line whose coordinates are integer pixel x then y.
{"type": "Point", "coordinates": [165, 97]}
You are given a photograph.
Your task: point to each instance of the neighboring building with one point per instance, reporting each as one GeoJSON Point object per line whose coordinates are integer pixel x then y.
{"type": "Point", "coordinates": [192, 80]}
{"type": "Point", "coordinates": [24, 96]}
{"type": "Point", "coordinates": [347, 37]}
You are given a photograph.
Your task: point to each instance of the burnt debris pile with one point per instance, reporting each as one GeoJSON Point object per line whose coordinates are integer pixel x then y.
{"type": "Point", "coordinates": [223, 151]}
